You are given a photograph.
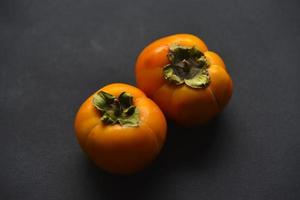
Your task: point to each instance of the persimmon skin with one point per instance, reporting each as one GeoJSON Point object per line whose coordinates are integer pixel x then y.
{"type": "Point", "coordinates": [119, 149]}
{"type": "Point", "coordinates": [185, 105]}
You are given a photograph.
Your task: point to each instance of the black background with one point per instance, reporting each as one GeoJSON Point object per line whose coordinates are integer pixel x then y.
{"type": "Point", "coordinates": [55, 53]}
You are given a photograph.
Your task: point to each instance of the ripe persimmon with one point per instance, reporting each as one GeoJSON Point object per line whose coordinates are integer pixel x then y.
{"type": "Point", "coordinates": [188, 82]}
{"type": "Point", "coordinates": [120, 129]}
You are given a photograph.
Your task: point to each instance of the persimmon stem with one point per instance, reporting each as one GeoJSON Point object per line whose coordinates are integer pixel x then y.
{"type": "Point", "coordinates": [188, 65]}
{"type": "Point", "coordinates": [116, 110]}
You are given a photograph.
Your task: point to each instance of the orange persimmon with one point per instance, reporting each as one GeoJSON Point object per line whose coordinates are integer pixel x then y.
{"type": "Point", "coordinates": [120, 129]}
{"type": "Point", "coordinates": [188, 82]}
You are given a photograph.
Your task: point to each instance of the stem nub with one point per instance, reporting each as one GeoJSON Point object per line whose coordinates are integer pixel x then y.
{"type": "Point", "coordinates": [188, 66]}
{"type": "Point", "coordinates": [116, 110]}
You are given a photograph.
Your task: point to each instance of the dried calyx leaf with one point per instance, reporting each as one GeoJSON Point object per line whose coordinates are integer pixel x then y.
{"type": "Point", "coordinates": [117, 110]}
{"type": "Point", "coordinates": [188, 65]}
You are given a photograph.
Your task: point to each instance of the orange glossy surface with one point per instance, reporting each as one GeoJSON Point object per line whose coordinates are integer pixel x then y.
{"type": "Point", "coordinates": [118, 149]}
{"type": "Point", "coordinates": [183, 104]}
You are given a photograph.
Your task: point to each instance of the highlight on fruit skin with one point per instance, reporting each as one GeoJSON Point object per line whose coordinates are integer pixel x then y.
{"type": "Point", "coordinates": [120, 128]}
{"type": "Point", "coordinates": [187, 81]}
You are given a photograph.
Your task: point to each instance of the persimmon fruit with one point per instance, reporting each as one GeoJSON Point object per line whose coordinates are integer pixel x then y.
{"type": "Point", "coordinates": [120, 129]}
{"type": "Point", "coordinates": [188, 82]}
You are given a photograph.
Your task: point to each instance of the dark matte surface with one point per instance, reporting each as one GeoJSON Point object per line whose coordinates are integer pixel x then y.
{"type": "Point", "coordinates": [55, 53]}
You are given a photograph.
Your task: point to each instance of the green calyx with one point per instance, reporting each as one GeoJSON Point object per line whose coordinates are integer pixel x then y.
{"type": "Point", "coordinates": [117, 110]}
{"type": "Point", "coordinates": [188, 66]}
